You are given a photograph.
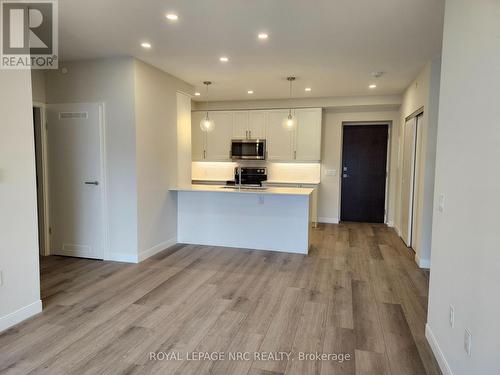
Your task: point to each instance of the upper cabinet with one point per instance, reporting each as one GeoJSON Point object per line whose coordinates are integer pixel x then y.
{"type": "Point", "coordinates": [308, 134]}
{"type": "Point", "coordinates": [279, 140]}
{"type": "Point", "coordinates": [198, 145]}
{"type": "Point", "coordinates": [303, 144]}
{"type": "Point", "coordinates": [219, 139]}
{"type": "Point", "coordinates": [249, 125]}
{"type": "Point", "coordinates": [240, 125]}
{"type": "Point", "coordinates": [257, 124]}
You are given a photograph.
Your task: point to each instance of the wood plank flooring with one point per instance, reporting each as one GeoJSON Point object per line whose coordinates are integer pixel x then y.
{"type": "Point", "coordinates": [358, 292]}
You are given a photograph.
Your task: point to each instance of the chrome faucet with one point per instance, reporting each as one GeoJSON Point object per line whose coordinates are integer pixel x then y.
{"type": "Point", "coordinates": [239, 177]}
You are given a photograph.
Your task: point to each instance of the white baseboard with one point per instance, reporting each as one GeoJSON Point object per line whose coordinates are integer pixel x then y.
{"type": "Point", "coordinates": [328, 220]}
{"type": "Point", "coordinates": [145, 254]}
{"type": "Point", "coordinates": [422, 263]}
{"type": "Point", "coordinates": [438, 353]}
{"type": "Point", "coordinates": [390, 224]}
{"type": "Point", "coordinates": [18, 316]}
{"type": "Point", "coordinates": [119, 257]}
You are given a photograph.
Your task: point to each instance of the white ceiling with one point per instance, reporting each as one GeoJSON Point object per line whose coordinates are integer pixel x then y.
{"type": "Point", "coordinates": [332, 46]}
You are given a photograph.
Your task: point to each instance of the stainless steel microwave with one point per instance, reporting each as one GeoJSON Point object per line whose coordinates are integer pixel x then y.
{"type": "Point", "coordinates": [248, 149]}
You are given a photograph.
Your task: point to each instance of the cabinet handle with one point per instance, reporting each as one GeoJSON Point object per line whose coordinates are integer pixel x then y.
{"type": "Point", "coordinates": [204, 154]}
{"type": "Point", "coordinates": [249, 134]}
{"type": "Point", "coordinates": [295, 155]}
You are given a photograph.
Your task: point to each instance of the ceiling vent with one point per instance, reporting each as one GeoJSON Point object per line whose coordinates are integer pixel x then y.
{"type": "Point", "coordinates": [77, 115]}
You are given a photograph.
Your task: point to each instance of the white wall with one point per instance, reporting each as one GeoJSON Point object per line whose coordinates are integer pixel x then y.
{"type": "Point", "coordinates": [110, 81]}
{"type": "Point", "coordinates": [466, 236]}
{"type": "Point", "coordinates": [156, 146]}
{"type": "Point", "coordinates": [38, 86]}
{"type": "Point", "coordinates": [20, 289]}
{"type": "Point", "coordinates": [422, 92]}
{"type": "Point", "coordinates": [331, 158]}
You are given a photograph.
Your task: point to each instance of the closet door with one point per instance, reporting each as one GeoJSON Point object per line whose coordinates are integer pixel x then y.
{"type": "Point", "coordinates": [408, 179]}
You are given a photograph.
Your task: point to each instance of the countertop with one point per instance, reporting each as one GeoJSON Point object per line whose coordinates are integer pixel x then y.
{"type": "Point", "coordinates": [261, 191]}
{"type": "Point", "coordinates": [211, 181]}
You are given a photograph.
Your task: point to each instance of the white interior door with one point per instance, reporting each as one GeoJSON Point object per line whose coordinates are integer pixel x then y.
{"type": "Point", "coordinates": [76, 179]}
{"type": "Point", "coordinates": [408, 179]}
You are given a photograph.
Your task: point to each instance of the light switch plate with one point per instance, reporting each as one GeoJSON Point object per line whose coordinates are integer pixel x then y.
{"type": "Point", "coordinates": [468, 342]}
{"type": "Point", "coordinates": [441, 202]}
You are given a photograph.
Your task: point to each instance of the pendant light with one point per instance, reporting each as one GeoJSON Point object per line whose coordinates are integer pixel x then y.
{"type": "Point", "coordinates": [290, 121]}
{"type": "Point", "coordinates": [206, 123]}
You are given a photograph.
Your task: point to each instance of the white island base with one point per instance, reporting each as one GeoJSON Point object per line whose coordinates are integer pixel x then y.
{"type": "Point", "coordinates": [276, 219]}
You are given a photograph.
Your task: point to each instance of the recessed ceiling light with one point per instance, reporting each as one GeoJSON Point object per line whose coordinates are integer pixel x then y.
{"type": "Point", "coordinates": [307, 89]}
{"type": "Point", "coordinates": [263, 36]}
{"type": "Point", "coordinates": [197, 94]}
{"type": "Point", "coordinates": [250, 91]}
{"type": "Point", "coordinates": [373, 86]}
{"type": "Point", "coordinates": [223, 59]}
{"type": "Point", "coordinates": [145, 45]}
{"type": "Point", "coordinates": [172, 16]}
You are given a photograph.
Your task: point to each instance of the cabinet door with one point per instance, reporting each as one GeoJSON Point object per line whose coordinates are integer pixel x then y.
{"type": "Point", "coordinates": [218, 142]}
{"type": "Point", "coordinates": [197, 137]}
{"type": "Point", "coordinates": [257, 124]}
{"type": "Point", "coordinates": [308, 135]}
{"type": "Point", "coordinates": [240, 124]}
{"type": "Point", "coordinates": [279, 140]}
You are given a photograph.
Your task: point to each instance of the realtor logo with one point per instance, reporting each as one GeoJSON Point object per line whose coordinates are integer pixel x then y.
{"type": "Point", "coordinates": [29, 38]}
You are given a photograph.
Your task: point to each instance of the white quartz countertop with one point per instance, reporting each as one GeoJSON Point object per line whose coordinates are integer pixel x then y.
{"type": "Point", "coordinates": [284, 182]}
{"type": "Point", "coordinates": [234, 190]}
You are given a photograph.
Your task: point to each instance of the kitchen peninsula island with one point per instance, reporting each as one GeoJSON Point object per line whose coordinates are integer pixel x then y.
{"type": "Point", "coordinates": [269, 218]}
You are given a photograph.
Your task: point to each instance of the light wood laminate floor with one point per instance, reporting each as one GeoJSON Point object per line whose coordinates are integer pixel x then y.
{"type": "Point", "coordinates": [358, 292]}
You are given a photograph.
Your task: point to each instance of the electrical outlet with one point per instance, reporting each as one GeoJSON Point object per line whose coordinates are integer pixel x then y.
{"type": "Point", "coordinates": [467, 342]}
{"type": "Point", "coordinates": [452, 316]}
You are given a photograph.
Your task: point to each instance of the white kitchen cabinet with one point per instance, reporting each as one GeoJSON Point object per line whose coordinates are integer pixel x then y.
{"type": "Point", "coordinates": [279, 140]}
{"type": "Point", "coordinates": [257, 124]}
{"type": "Point", "coordinates": [307, 137]}
{"type": "Point", "coordinates": [218, 141]}
{"type": "Point", "coordinates": [197, 137]}
{"type": "Point", "coordinates": [240, 125]}
{"type": "Point", "coordinates": [303, 144]}
{"type": "Point", "coordinates": [249, 124]}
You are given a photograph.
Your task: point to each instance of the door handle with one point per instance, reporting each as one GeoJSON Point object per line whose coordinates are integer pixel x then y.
{"type": "Point", "coordinates": [92, 183]}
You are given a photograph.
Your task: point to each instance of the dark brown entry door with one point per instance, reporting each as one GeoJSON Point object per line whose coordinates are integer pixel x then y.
{"type": "Point", "coordinates": [364, 162]}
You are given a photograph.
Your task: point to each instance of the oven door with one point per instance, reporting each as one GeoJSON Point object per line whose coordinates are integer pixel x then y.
{"type": "Point", "coordinates": [248, 149]}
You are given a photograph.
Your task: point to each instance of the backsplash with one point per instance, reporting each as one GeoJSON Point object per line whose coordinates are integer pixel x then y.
{"type": "Point", "coordinates": [276, 172]}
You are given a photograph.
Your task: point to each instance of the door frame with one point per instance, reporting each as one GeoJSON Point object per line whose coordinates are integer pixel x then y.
{"type": "Point", "coordinates": [387, 163]}
{"type": "Point", "coordinates": [45, 176]}
{"type": "Point", "coordinates": [416, 171]}
{"type": "Point", "coordinates": [103, 178]}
